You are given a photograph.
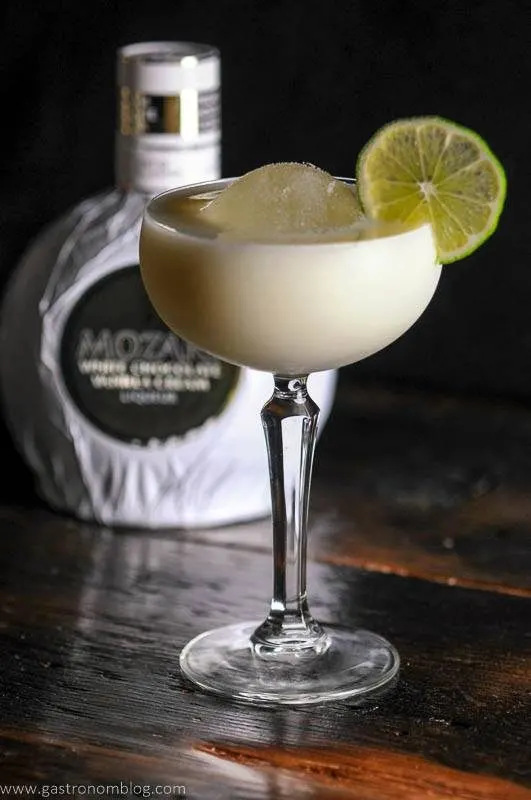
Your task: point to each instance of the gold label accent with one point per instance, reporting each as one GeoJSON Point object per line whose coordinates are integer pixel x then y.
{"type": "Point", "coordinates": [171, 114]}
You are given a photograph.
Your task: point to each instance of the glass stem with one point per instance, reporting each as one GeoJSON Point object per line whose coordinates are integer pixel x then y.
{"type": "Point", "coordinates": [290, 425]}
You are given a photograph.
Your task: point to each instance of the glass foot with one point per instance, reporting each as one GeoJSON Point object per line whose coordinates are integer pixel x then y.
{"type": "Point", "coordinates": [355, 663]}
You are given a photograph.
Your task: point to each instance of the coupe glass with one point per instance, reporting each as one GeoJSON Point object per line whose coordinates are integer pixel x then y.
{"type": "Point", "coordinates": [290, 308]}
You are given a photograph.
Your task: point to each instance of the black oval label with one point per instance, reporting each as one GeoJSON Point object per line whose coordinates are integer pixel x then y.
{"type": "Point", "coordinates": [128, 374]}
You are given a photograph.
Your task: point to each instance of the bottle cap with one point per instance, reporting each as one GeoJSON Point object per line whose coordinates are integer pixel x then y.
{"type": "Point", "coordinates": [166, 68]}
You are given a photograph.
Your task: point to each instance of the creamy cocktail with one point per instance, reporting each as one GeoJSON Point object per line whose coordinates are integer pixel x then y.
{"type": "Point", "coordinates": [287, 306]}
{"type": "Point", "coordinates": [292, 271]}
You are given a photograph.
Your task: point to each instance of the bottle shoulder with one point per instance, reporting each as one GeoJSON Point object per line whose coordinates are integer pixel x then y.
{"type": "Point", "coordinates": [100, 217]}
{"type": "Point", "coordinates": [93, 230]}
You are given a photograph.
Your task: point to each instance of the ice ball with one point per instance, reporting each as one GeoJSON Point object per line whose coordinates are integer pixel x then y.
{"type": "Point", "coordinates": [283, 199]}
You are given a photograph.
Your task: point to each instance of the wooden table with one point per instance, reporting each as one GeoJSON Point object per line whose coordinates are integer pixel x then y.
{"type": "Point", "coordinates": [421, 522]}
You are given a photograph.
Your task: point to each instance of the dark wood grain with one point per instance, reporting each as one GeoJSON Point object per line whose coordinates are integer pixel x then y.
{"type": "Point", "coordinates": [92, 620]}
{"type": "Point", "coordinates": [433, 486]}
{"type": "Point", "coordinates": [373, 774]}
{"type": "Point", "coordinates": [420, 485]}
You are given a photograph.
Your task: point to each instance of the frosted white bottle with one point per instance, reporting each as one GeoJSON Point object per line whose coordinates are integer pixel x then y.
{"type": "Point", "coordinates": [122, 422]}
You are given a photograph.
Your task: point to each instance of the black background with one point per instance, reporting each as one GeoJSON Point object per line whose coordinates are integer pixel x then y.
{"type": "Point", "coordinates": [304, 81]}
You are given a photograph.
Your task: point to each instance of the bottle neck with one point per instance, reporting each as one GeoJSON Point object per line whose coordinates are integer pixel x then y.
{"type": "Point", "coordinates": [146, 167]}
{"type": "Point", "coordinates": [167, 141]}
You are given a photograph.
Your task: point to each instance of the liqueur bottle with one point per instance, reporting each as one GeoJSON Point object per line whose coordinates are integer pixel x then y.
{"type": "Point", "coordinates": [122, 422]}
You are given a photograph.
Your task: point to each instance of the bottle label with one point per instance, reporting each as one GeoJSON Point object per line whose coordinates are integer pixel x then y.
{"type": "Point", "coordinates": [188, 114]}
{"type": "Point", "coordinates": [128, 374]}
{"type": "Point", "coordinates": [165, 141]}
